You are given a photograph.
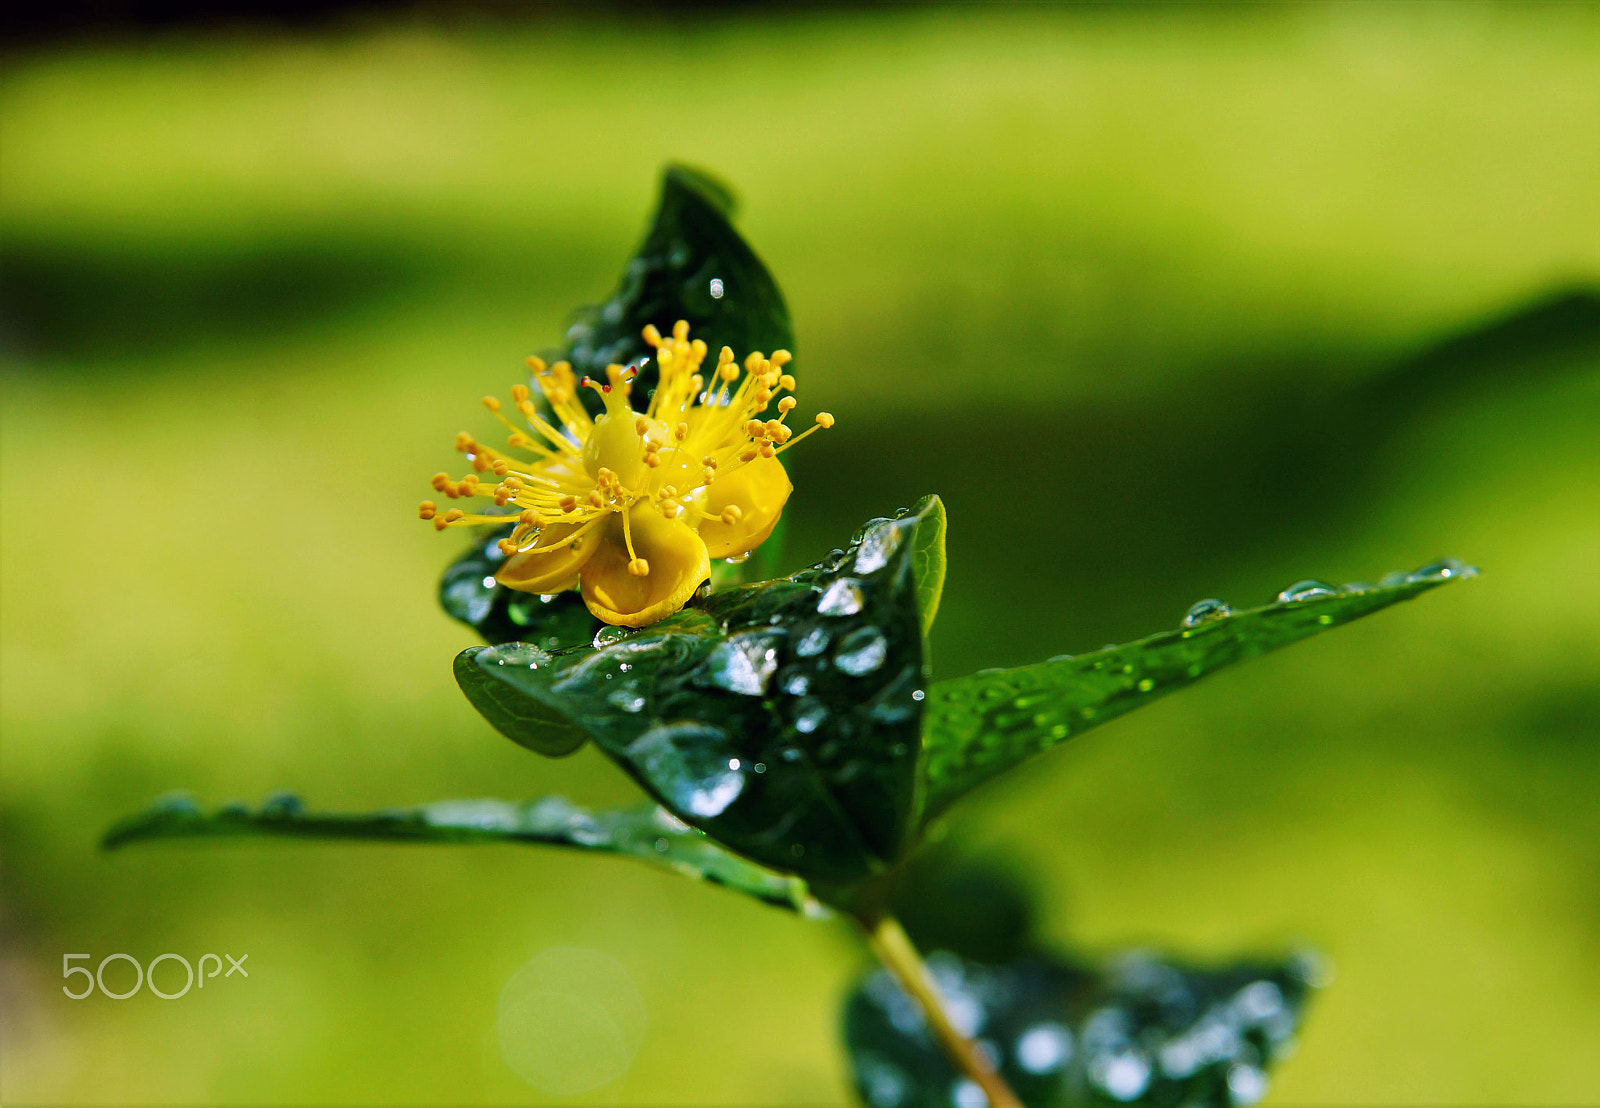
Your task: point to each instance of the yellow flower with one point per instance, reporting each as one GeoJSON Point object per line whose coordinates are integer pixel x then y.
{"type": "Point", "coordinates": [631, 506]}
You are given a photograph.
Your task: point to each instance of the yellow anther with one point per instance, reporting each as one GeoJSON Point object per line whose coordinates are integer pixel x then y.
{"type": "Point", "coordinates": [530, 517]}
{"type": "Point", "coordinates": [519, 395]}
{"type": "Point", "coordinates": [672, 509]}
{"type": "Point", "coordinates": [747, 456]}
{"type": "Point", "coordinates": [680, 330]}
{"type": "Point", "coordinates": [501, 467]}
{"type": "Point", "coordinates": [441, 481]}
{"type": "Point", "coordinates": [785, 381]}
{"type": "Point", "coordinates": [640, 426]}
{"type": "Point", "coordinates": [651, 335]}
{"type": "Point", "coordinates": [824, 420]}
{"type": "Point", "coordinates": [752, 364]}
{"type": "Point", "coordinates": [479, 462]}
{"type": "Point", "coordinates": [470, 481]}
{"type": "Point", "coordinates": [536, 364]}
{"type": "Point", "coordinates": [728, 371]}
{"type": "Point", "coordinates": [785, 433]}
{"type": "Point", "coordinates": [709, 462]}
{"type": "Point", "coordinates": [453, 514]}
{"type": "Point", "coordinates": [427, 509]}
{"type": "Point", "coordinates": [465, 443]}
{"type": "Point", "coordinates": [781, 357]}
{"type": "Point", "coordinates": [707, 475]}
{"type": "Point", "coordinates": [755, 428]}
{"type": "Point", "coordinates": [668, 491]}
{"type": "Point", "coordinates": [439, 523]}
{"type": "Point", "coordinates": [568, 503]}
{"type": "Point", "coordinates": [596, 499]}
{"type": "Point", "coordinates": [698, 346]}
{"type": "Point", "coordinates": [725, 355]}
{"type": "Point", "coordinates": [507, 547]}
{"type": "Point", "coordinates": [652, 459]}
{"type": "Point", "coordinates": [767, 450]}
{"type": "Point", "coordinates": [774, 429]}
{"type": "Point", "coordinates": [502, 497]}
{"type": "Point", "coordinates": [731, 514]}
{"type": "Point", "coordinates": [492, 403]}
{"type": "Point", "coordinates": [680, 432]}
{"type": "Point", "coordinates": [639, 567]}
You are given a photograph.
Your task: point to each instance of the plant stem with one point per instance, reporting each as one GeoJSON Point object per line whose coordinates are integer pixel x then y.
{"type": "Point", "coordinates": [890, 943]}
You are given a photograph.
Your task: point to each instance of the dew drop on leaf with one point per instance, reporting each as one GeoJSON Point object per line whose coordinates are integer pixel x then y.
{"type": "Point", "coordinates": [1207, 611]}
{"type": "Point", "coordinates": [861, 651]}
{"type": "Point", "coordinates": [1305, 590]}
{"type": "Point", "coordinates": [842, 598]}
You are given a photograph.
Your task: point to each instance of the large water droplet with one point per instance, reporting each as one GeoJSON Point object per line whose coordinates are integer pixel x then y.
{"type": "Point", "coordinates": [737, 559]}
{"type": "Point", "coordinates": [1207, 611]}
{"type": "Point", "coordinates": [743, 664]}
{"type": "Point", "coordinates": [809, 712]}
{"type": "Point", "coordinates": [609, 634]}
{"type": "Point", "coordinates": [1124, 1074]}
{"type": "Point", "coordinates": [877, 545]}
{"type": "Point", "coordinates": [1308, 589]}
{"type": "Point", "coordinates": [842, 598]}
{"type": "Point", "coordinates": [688, 762]}
{"type": "Point", "coordinates": [1246, 1083]}
{"type": "Point", "coordinates": [525, 655]}
{"type": "Point", "coordinates": [717, 288]}
{"type": "Point", "coordinates": [813, 642]}
{"type": "Point", "coordinates": [861, 651]}
{"type": "Point", "coordinates": [1044, 1048]}
{"type": "Point", "coordinates": [794, 681]}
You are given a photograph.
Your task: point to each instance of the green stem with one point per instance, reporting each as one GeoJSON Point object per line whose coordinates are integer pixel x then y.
{"type": "Point", "coordinates": [890, 943]}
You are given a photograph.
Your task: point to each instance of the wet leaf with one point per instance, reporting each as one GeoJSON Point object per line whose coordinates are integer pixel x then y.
{"type": "Point", "coordinates": [783, 718]}
{"type": "Point", "coordinates": [468, 592]}
{"type": "Point", "coordinates": [692, 265]}
{"type": "Point", "coordinates": [1141, 1031]}
{"type": "Point", "coordinates": [981, 725]}
{"type": "Point", "coordinates": [927, 558]}
{"type": "Point", "coordinates": [646, 833]}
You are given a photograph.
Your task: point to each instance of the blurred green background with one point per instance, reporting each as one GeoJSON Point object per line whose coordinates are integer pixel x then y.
{"type": "Point", "coordinates": [1165, 302]}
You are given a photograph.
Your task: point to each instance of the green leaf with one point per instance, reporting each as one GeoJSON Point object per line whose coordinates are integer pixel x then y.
{"type": "Point", "coordinates": [647, 833]}
{"type": "Point", "coordinates": [927, 558]}
{"type": "Point", "coordinates": [783, 718]}
{"type": "Point", "coordinates": [1141, 1031]}
{"type": "Point", "coordinates": [468, 592]}
{"type": "Point", "coordinates": [981, 725]}
{"type": "Point", "coordinates": [691, 244]}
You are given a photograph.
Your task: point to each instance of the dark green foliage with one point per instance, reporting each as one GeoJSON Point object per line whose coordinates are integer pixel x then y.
{"type": "Point", "coordinates": [784, 718]}
{"type": "Point", "coordinates": [690, 244]}
{"type": "Point", "coordinates": [1140, 1031]}
{"type": "Point", "coordinates": [646, 833]}
{"type": "Point", "coordinates": [984, 724]}
{"type": "Point", "coordinates": [468, 592]}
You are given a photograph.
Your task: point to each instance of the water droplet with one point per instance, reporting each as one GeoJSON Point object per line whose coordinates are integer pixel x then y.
{"type": "Point", "coordinates": [1207, 611]}
{"type": "Point", "coordinates": [760, 767]}
{"type": "Point", "coordinates": [842, 598]}
{"type": "Point", "coordinates": [525, 655]}
{"type": "Point", "coordinates": [488, 582]}
{"type": "Point", "coordinates": [918, 694]}
{"type": "Point", "coordinates": [813, 642]}
{"type": "Point", "coordinates": [966, 1093]}
{"type": "Point", "coordinates": [1044, 1048]}
{"type": "Point", "coordinates": [794, 681]}
{"type": "Point", "coordinates": [1309, 589]}
{"type": "Point", "coordinates": [661, 846]}
{"type": "Point", "coordinates": [861, 651]}
{"type": "Point", "coordinates": [809, 712]}
{"type": "Point", "coordinates": [627, 698]}
{"type": "Point", "coordinates": [737, 559]}
{"type": "Point", "coordinates": [743, 664]}
{"type": "Point", "coordinates": [1246, 1083]}
{"type": "Point", "coordinates": [609, 634]}
{"type": "Point", "coordinates": [717, 288]}
{"type": "Point", "coordinates": [1442, 570]}
{"type": "Point", "coordinates": [1124, 1074]}
{"type": "Point", "coordinates": [688, 763]}
{"type": "Point", "coordinates": [878, 544]}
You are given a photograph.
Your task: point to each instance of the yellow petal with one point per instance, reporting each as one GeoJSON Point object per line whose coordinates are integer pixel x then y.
{"type": "Point", "coordinates": [543, 570]}
{"type": "Point", "coordinates": [676, 560]}
{"type": "Point", "coordinates": [758, 489]}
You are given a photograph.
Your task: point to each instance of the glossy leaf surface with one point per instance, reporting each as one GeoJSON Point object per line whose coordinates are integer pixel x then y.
{"type": "Point", "coordinates": [646, 833]}
{"type": "Point", "coordinates": [692, 265]}
{"type": "Point", "coordinates": [1139, 1032]}
{"type": "Point", "coordinates": [981, 725]}
{"type": "Point", "coordinates": [783, 718]}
